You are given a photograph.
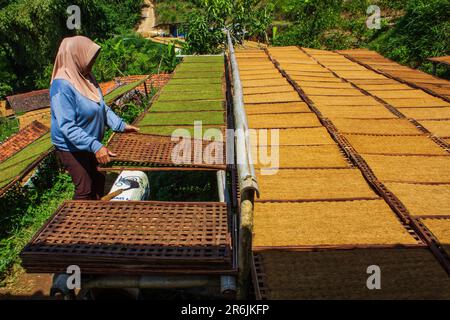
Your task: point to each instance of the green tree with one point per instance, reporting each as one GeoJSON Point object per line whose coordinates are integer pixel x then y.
{"type": "Point", "coordinates": [421, 33]}
{"type": "Point", "coordinates": [244, 19]}
{"type": "Point", "coordinates": [31, 30]}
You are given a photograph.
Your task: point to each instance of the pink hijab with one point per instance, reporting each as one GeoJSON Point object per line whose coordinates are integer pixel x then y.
{"type": "Point", "coordinates": [74, 62]}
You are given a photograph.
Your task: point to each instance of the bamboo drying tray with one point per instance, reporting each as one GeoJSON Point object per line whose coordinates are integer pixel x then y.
{"type": "Point", "coordinates": [400, 94]}
{"type": "Point", "coordinates": [424, 169]}
{"type": "Point", "coordinates": [386, 87]}
{"type": "Point", "coordinates": [272, 97]}
{"type": "Point", "coordinates": [335, 92]}
{"type": "Point", "coordinates": [283, 107]}
{"type": "Point", "coordinates": [346, 101]}
{"type": "Point", "coordinates": [314, 184]}
{"type": "Point", "coordinates": [342, 223]}
{"type": "Point", "coordinates": [423, 200]}
{"type": "Point", "coordinates": [331, 85]}
{"type": "Point", "coordinates": [301, 136]}
{"type": "Point", "coordinates": [263, 83]}
{"type": "Point", "coordinates": [271, 89]}
{"type": "Point", "coordinates": [372, 126]}
{"type": "Point", "coordinates": [362, 112]}
{"type": "Point", "coordinates": [440, 228]}
{"type": "Point", "coordinates": [400, 145]}
{"type": "Point", "coordinates": [439, 128]}
{"type": "Point", "coordinates": [306, 79]}
{"type": "Point", "coordinates": [327, 156]}
{"type": "Point", "coordinates": [295, 120]}
{"type": "Point", "coordinates": [414, 102]}
{"type": "Point", "coordinates": [406, 274]}
{"type": "Point", "coordinates": [427, 113]}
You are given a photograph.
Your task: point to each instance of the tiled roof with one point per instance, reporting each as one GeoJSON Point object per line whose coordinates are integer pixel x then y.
{"type": "Point", "coordinates": [107, 87]}
{"type": "Point", "coordinates": [40, 99]}
{"type": "Point", "coordinates": [29, 101]}
{"type": "Point", "coordinates": [21, 139]}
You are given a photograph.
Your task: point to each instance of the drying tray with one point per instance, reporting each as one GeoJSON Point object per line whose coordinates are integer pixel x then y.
{"type": "Point", "coordinates": [132, 237]}
{"type": "Point", "coordinates": [144, 151]}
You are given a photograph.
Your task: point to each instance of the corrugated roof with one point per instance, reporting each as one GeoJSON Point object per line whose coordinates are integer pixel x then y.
{"type": "Point", "coordinates": [29, 101]}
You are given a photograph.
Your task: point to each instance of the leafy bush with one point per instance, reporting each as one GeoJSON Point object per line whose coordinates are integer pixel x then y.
{"type": "Point", "coordinates": [421, 33]}
{"type": "Point", "coordinates": [24, 209]}
{"type": "Point", "coordinates": [128, 54]}
{"type": "Point", "coordinates": [8, 127]}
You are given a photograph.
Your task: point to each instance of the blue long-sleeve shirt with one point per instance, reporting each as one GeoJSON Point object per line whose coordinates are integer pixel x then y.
{"type": "Point", "coordinates": [78, 123]}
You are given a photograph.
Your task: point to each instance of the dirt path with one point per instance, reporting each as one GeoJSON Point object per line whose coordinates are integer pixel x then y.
{"type": "Point", "coordinates": [147, 26]}
{"type": "Point", "coordinates": [26, 286]}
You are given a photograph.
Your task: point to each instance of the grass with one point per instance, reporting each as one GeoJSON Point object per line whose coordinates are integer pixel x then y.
{"type": "Point", "coordinates": [187, 106]}
{"type": "Point", "coordinates": [34, 213]}
{"type": "Point", "coordinates": [13, 166]}
{"type": "Point", "coordinates": [8, 126]}
{"type": "Point", "coordinates": [187, 96]}
{"type": "Point", "coordinates": [183, 186]}
{"type": "Point", "coordinates": [182, 118]}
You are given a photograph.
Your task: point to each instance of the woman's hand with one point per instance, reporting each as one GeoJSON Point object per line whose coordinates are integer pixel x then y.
{"type": "Point", "coordinates": [129, 128]}
{"type": "Point", "coordinates": [104, 155]}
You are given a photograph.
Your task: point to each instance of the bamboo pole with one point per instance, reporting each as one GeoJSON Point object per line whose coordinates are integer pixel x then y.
{"type": "Point", "coordinates": [247, 178]}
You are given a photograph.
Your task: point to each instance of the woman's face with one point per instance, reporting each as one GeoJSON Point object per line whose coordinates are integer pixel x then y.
{"type": "Point", "coordinates": [89, 66]}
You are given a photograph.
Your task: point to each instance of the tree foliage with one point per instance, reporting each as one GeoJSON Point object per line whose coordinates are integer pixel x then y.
{"type": "Point", "coordinates": [411, 30]}
{"type": "Point", "coordinates": [421, 33]}
{"type": "Point", "coordinates": [31, 30]}
{"type": "Point", "coordinates": [130, 54]}
{"type": "Point", "coordinates": [172, 11]}
{"type": "Point", "coordinates": [244, 18]}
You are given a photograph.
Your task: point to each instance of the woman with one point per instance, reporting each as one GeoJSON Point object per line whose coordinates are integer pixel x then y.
{"type": "Point", "coordinates": [79, 115]}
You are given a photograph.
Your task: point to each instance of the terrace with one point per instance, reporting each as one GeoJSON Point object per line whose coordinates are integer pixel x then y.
{"type": "Point", "coordinates": [363, 179]}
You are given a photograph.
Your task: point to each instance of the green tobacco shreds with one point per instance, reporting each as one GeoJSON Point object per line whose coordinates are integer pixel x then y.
{"type": "Point", "coordinates": [203, 59]}
{"type": "Point", "coordinates": [12, 167]}
{"type": "Point", "coordinates": [169, 130]}
{"type": "Point", "coordinates": [200, 67]}
{"type": "Point", "coordinates": [200, 81]}
{"type": "Point", "coordinates": [183, 118]}
{"type": "Point", "coordinates": [196, 75]}
{"type": "Point", "coordinates": [187, 96]}
{"type": "Point", "coordinates": [193, 87]}
{"type": "Point", "coordinates": [117, 93]}
{"type": "Point", "coordinates": [187, 106]}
